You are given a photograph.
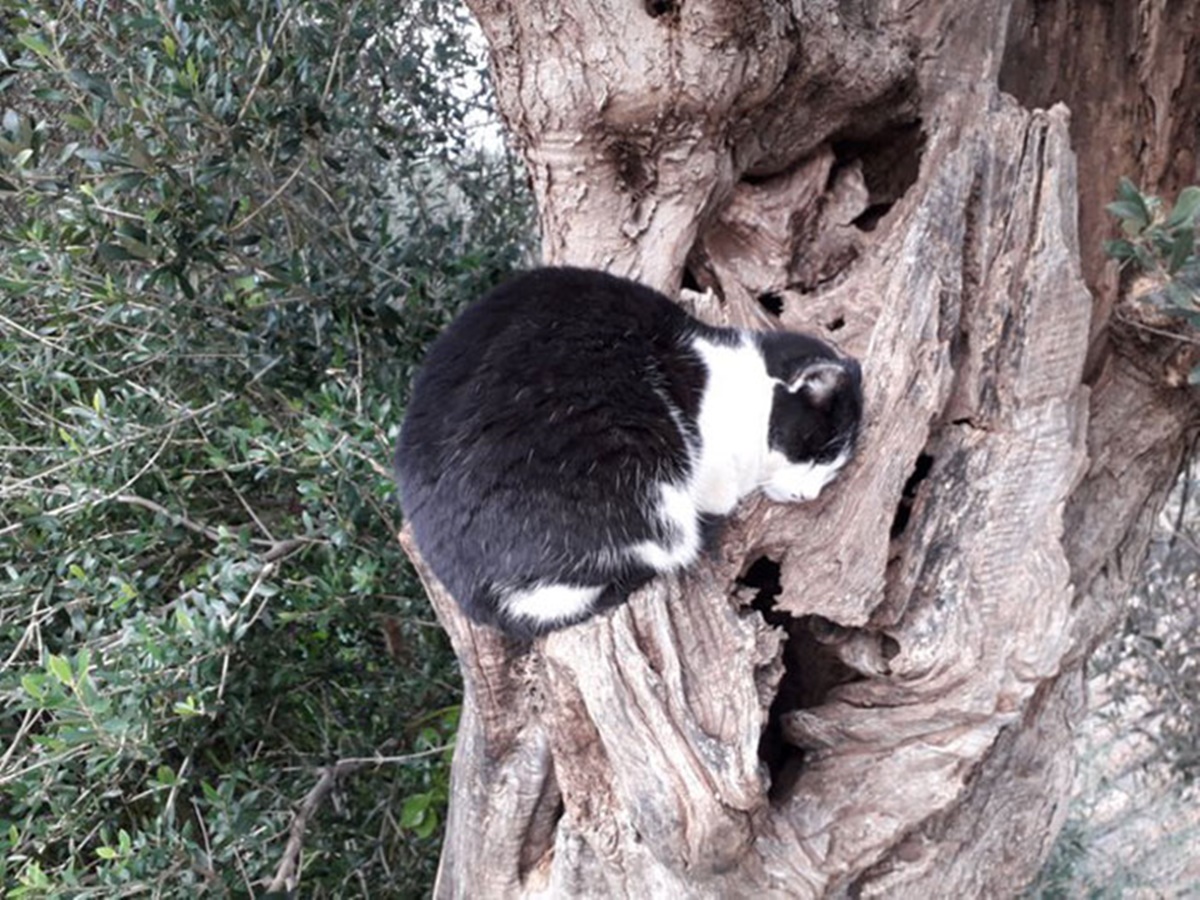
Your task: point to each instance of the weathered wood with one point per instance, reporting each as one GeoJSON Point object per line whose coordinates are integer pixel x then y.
{"type": "Point", "coordinates": [893, 720]}
{"type": "Point", "coordinates": [636, 125]}
{"type": "Point", "coordinates": [503, 789]}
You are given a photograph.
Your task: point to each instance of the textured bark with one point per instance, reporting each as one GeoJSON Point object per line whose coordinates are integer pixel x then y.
{"type": "Point", "coordinates": [872, 694]}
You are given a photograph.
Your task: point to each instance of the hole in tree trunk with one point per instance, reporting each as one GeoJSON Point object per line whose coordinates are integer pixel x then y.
{"type": "Point", "coordinates": [889, 646]}
{"type": "Point", "coordinates": [656, 8]}
{"type": "Point", "coordinates": [543, 824]}
{"type": "Point", "coordinates": [870, 217]}
{"type": "Point", "coordinates": [890, 163]}
{"type": "Point", "coordinates": [772, 303]}
{"type": "Point", "coordinates": [837, 324]}
{"type": "Point", "coordinates": [763, 576]}
{"type": "Point", "coordinates": [811, 669]}
{"type": "Point", "coordinates": [634, 172]}
{"type": "Point", "coordinates": [908, 496]}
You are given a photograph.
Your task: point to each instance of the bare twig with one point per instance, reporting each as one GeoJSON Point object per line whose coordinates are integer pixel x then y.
{"type": "Point", "coordinates": [1161, 332]}
{"type": "Point", "coordinates": [51, 760]}
{"type": "Point", "coordinates": [232, 485]}
{"type": "Point", "coordinates": [1185, 498]}
{"type": "Point", "coordinates": [63, 348]}
{"type": "Point", "coordinates": [181, 520]}
{"type": "Point", "coordinates": [274, 549]}
{"type": "Point", "coordinates": [287, 875]}
{"type": "Point", "coordinates": [267, 570]}
{"type": "Point", "coordinates": [15, 486]}
{"type": "Point", "coordinates": [249, 217]}
{"type": "Point", "coordinates": [338, 49]}
{"type": "Point", "coordinates": [26, 724]}
{"type": "Point", "coordinates": [32, 632]}
{"type": "Point", "coordinates": [264, 62]}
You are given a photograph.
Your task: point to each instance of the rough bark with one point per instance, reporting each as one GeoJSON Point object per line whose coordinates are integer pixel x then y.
{"type": "Point", "coordinates": [872, 694]}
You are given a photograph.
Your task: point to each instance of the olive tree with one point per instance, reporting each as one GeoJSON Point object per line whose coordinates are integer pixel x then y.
{"type": "Point", "coordinates": [872, 694]}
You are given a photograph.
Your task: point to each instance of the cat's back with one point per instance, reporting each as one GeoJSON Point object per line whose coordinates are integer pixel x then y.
{"type": "Point", "coordinates": [550, 322]}
{"type": "Point", "coordinates": [566, 364]}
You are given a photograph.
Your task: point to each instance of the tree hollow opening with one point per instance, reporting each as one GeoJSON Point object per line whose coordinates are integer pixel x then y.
{"type": "Point", "coordinates": [771, 302]}
{"type": "Point", "coordinates": [812, 668]}
{"type": "Point", "coordinates": [658, 8]}
{"type": "Point", "coordinates": [891, 163]}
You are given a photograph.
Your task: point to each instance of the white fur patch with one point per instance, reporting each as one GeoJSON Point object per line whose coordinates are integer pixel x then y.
{"type": "Point", "coordinates": [678, 511]}
{"type": "Point", "coordinates": [789, 482]}
{"type": "Point", "coordinates": [819, 380]}
{"type": "Point", "coordinates": [735, 416]}
{"type": "Point", "coordinates": [550, 602]}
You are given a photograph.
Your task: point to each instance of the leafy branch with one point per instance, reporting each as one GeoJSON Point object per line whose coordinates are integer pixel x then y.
{"type": "Point", "coordinates": [1161, 243]}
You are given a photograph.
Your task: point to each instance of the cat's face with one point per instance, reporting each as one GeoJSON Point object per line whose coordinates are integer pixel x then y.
{"type": "Point", "coordinates": [815, 417]}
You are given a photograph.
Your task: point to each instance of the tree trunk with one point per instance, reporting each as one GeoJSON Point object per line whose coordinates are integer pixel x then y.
{"type": "Point", "coordinates": [872, 694]}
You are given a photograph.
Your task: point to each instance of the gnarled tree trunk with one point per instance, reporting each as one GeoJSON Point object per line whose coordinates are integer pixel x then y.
{"type": "Point", "coordinates": [873, 693]}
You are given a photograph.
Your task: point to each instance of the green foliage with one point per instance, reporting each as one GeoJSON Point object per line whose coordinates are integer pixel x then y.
{"type": "Point", "coordinates": [1061, 878]}
{"type": "Point", "coordinates": [227, 231]}
{"type": "Point", "coordinates": [1162, 244]}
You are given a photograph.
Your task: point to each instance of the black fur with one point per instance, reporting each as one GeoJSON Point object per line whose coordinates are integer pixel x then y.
{"type": "Point", "coordinates": [816, 424]}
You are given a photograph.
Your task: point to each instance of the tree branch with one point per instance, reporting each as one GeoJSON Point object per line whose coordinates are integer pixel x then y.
{"type": "Point", "coordinates": [287, 874]}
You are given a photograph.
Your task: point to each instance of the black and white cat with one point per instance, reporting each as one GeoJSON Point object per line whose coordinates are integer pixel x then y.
{"type": "Point", "coordinates": [573, 434]}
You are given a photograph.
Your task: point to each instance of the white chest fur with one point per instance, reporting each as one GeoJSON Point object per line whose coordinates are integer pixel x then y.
{"type": "Point", "coordinates": [735, 415]}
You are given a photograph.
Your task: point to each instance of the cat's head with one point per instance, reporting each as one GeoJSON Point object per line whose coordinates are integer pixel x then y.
{"type": "Point", "coordinates": [816, 412]}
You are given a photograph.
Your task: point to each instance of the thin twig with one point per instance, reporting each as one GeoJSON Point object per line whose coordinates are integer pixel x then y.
{"type": "Point", "coordinates": [104, 370]}
{"type": "Point", "coordinates": [32, 631]}
{"type": "Point", "coordinates": [274, 549]}
{"type": "Point", "coordinates": [1185, 498]}
{"type": "Point", "coordinates": [1161, 332]}
{"type": "Point", "coordinates": [53, 760]}
{"type": "Point", "coordinates": [287, 876]}
{"type": "Point", "coordinates": [14, 486]}
{"type": "Point", "coordinates": [26, 724]}
{"type": "Point", "coordinates": [238, 226]}
{"type": "Point", "coordinates": [335, 64]}
{"type": "Point", "coordinates": [90, 499]}
{"type": "Point", "coordinates": [232, 485]}
{"type": "Point", "coordinates": [267, 570]}
{"type": "Point", "coordinates": [394, 760]}
{"type": "Point", "coordinates": [169, 806]}
{"type": "Point", "coordinates": [176, 518]}
{"type": "Point", "coordinates": [264, 62]}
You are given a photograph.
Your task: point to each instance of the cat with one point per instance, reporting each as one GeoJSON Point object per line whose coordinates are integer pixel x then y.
{"type": "Point", "coordinates": [573, 434]}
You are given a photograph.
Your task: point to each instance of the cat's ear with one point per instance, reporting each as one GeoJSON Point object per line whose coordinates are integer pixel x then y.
{"type": "Point", "coordinates": [819, 381]}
